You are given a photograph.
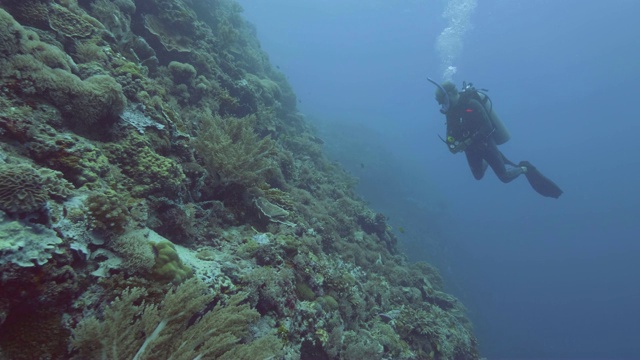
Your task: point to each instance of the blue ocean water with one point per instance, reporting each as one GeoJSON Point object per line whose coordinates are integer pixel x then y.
{"type": "Point", "coordinates": [542, 278]}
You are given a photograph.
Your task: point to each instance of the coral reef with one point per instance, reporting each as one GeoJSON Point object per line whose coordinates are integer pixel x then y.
{"type": "Point", "coordinates": [32, 68]}
{"type": "Point", "coordinates": [21, 189]}
{"type": "Point", "coordinates": [162, 197]}
{"type": "Point", "coordinates": [25, 244]}
{"type": "Point", "coordinates": [169, 329]}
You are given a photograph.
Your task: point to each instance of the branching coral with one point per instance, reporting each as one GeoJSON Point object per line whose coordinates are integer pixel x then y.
{"type": "Point", "coordinates": [173, 329]}
{"type": "Point", "coordinates": [230, 148]}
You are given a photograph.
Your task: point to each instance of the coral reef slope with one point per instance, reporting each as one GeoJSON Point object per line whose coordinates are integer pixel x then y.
{"type": "Point", "coordinates": [162, 197]}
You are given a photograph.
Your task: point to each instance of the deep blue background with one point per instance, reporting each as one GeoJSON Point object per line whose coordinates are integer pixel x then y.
{"type": "Point", "coordinates": [542, 278]}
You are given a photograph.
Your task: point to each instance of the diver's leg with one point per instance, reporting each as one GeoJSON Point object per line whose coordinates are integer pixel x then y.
{"type": "Point", "coordinates": [496, 160]}
{"type": "Point", "coordinates": [476, 163]}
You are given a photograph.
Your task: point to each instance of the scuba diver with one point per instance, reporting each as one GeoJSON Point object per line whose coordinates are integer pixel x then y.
{"type": "Point", "coordinates": [475, 128]}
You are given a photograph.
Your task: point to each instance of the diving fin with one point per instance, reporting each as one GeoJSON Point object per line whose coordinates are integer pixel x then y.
{"type": "Point", "coordinates": [540, 183]}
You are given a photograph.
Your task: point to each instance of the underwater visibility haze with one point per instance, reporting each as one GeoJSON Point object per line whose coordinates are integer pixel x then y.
{"type": "Point", "coordinates": [542, 278]}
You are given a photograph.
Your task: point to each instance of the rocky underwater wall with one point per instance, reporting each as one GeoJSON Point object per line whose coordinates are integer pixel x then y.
{"type": "Point", "coordinates": [161, 197]}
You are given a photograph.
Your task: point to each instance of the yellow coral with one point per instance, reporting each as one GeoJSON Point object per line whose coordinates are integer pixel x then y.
{"type": "Point", "coordinates": [323, 336]}
{"type": "Point", "coordinates": [168, 265]}
{"type": "Point", "coordinates": [278, 197]}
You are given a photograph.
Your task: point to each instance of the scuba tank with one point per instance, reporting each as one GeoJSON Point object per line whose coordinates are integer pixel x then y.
{"type": "Point", "coordinates": [500, 133]}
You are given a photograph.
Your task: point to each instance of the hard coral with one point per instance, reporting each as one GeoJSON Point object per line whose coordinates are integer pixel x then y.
{"type": "Point", "coordinates": [34, 69]}
{"type": "Point", "coordinates": [150, 172]}
{"type": "Point", "coordinates": [32, 13]}
{"type": "Point", "coordinates": [136, 251]}
{"type": "Point", "coordinates": [24, 189]}
{"type": "Point", "coordinates": [69, 23]}
{"type": "Point", "coordinates": [108, 212]}
{"type": "Point", "coordinates": [80, 160]}
{"type": "Point", "coordinates": [17, 42]}
{"type": "Point", "coordinates": [169, 266]}
{"type": "Point", "coordinates": [21, 189]}
{"type": "Point", "coordinates": [25, 244]}
{"type": "Point", "coordinates": [171, 40]}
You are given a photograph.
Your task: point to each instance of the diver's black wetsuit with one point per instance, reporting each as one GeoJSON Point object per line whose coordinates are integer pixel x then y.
{"type": "Point", "coordinates": [469, 121]}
